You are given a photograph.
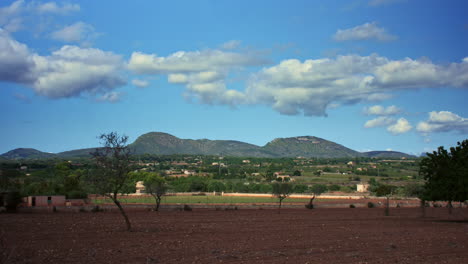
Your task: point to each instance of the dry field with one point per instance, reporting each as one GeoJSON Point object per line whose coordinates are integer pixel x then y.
{"type": "Point", "coordinates": [323, 235]}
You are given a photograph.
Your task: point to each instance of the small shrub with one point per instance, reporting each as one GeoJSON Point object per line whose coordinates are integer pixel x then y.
{"type": "Point", "coordinates": [352, 206]}
{"type": "Point", "coordinates": [54, 209]}
{"type": "Point", "coordinates": [309, 206]}
{"type": "Point", "coordinates": [370, 205]}
{"type": "Point", "coordinates": [187, 207]}
{"type": "Point", "coordinates": [82, 210]}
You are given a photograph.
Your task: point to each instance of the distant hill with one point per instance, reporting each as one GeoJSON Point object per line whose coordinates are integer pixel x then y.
{"type": "Point", "coordinates": [308, 146]}
{"type": "Point", "coordinates": [27, 153]}
{"type": "Point", "coordinates": [163, 144]}
{"type": "Point", "coordinates": [77, 153]}
{"type": "Point", "coordinates": [387, 154]}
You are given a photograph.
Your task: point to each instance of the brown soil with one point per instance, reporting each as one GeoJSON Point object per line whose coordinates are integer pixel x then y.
{"type": "Point", "coordinates": [323, 235]}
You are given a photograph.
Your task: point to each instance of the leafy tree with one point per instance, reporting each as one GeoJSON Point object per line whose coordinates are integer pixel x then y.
{"type": "Point", "coordinates": [316, 189]}
{"type": "Point", "coordinates": [446, 174]}
{"type": "Point", "coordinates": [112, 162]}
{"type": "Point", "coordinates": [156, 186]}
{"type": "Point", "coordinates": [297, 173]}
{"type": "Point", "coordinates": [281, 191]}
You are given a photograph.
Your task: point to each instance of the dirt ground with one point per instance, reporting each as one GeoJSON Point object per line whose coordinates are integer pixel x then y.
{"type": "Point", "coordinates": [322, 235]}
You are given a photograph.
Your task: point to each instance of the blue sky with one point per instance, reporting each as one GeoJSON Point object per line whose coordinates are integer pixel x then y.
{"type": "Point", "coordinates": [370, 75]}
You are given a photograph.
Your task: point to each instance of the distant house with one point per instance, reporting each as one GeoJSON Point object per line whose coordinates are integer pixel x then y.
{"type": "Point", "coordinates": [52, 200]}
{"type": "Point", "coordinates": [140, 187]}
{"type": "Point", "coordinates": [362, 187]}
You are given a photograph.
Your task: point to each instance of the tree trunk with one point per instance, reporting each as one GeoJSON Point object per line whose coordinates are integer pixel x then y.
{"type": "Point", "coordinates": [387, 206]}
{"type": "Point", "coordinates": [449, 205]}
{"type": "Point", "coordinates": [311, 202]}
{"type": "Point", "coordinates": [129, 227]}
{"type": "Point", "coordinates": [423, 208]}
{"type": "Point", "coordinates": [158, 202]}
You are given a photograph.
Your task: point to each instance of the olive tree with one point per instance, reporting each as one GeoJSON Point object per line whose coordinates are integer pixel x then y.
{"type": "Point", "coordinates": [281, 191]}
{"type": "Point", "coordinates": [316, 189]}
{"type": "Point", "coordinates": [156, 186]}
{"type": "Point", "coordinates": [112, 166]}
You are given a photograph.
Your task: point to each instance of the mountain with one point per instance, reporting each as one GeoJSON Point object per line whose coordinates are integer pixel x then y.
{"type": "Point", "coordinates": [387, 154]}
{"type": "Point", "coordinates": [27, 153]}
{"type": "Point", "coordinates": [164, 144]}
{"type": "Point", "coordinates": [308, 146]}
{"type": "Point", "coordinates": [77, 153]}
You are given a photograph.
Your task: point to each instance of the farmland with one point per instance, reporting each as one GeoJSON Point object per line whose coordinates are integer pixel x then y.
{"type": "Point", "coordinates": [328, 235]}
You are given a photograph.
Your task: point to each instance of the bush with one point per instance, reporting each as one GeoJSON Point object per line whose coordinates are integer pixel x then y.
{"type": "Point", "coordinates": [96, 209]}
{"type": "Point", "coordinates": [334, 187]}
{"type": "Point", "coordinates": [12, 200]}
{"type": "Point", "coordinates": [370, 205]}
{"type": "Point", "coordinates": [309, 206]}
{"type": "Point", "coordinates": [352, 206]}
{"type": "Point", "coordinates": [187, 207]}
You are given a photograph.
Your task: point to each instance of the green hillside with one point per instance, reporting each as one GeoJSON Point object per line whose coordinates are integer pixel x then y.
{"type": "Point", "coordinates": [308, 146]}
{"type": "Point", "coordinates": [27, 153]}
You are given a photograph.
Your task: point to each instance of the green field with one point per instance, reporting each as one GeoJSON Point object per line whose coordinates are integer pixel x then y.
{"type": "Point", "coordinates": [203, 200]}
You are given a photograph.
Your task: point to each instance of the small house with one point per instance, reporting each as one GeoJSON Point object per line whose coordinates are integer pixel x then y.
{"type": "Point", "coordinates": [43, 200]}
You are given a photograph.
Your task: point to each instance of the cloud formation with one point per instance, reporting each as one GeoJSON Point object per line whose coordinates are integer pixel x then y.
{"type": "Point", "coordinates": [140, 83]}
{"type": "Point", "coordinates": [401, 126]}
{"type": "Point", "coordinates": [379, 122]}
{"type": "Point", "coordinates": [67, 72]}
{"type": "Point", "coordinates": [367, 31]}
{"type": "Point", "coordinates": [79, 32]}
{"type": "Point", "coordinates": [443, 121]}
{"type": "Point", "coordinates": [203, 73]}
{"type": "Point", "coordinates": [380, 110]}
{"type": "Point", "coordinates": [12, 16]}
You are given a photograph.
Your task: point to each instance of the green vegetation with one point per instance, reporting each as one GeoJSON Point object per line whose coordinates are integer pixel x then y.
{"type": "Point", "coordinates": [446, 174]}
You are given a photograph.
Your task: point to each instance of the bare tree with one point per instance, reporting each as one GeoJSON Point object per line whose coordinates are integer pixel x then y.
{"type": "Point", "coordinates": [111, 176]}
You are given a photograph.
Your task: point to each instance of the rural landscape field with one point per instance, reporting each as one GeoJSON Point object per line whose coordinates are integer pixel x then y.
{"type": "Point", "coordinates": [210, 131]}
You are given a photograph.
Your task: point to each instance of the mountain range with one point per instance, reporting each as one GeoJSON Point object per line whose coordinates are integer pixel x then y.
{"type": "Point", "coordinates": [163, 144]}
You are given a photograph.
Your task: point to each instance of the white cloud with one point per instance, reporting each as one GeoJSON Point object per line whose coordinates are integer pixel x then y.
{"type": "Point", "coordinates": [379, 122]}
{"type": "Point", "coordinates": [12, 17]}
{"type": "Point", "coordinates": [140, 83]}
{"type": "Point", "coordinates": [67, 72]}
{"type": "Point", "coordinates": [203, 73]}
{"type": "Point", "coordinates": [111, 97]}
{"type": "Point", "coordinates": [190, 62]}
{"type": "Point", "coordinates": [54, 8]}
{"type": "Point", "coordinates": [77, 32]}
{"type": "Point", "coordinates": [380, 110]}
{"type": "Point", "coordinates": [443, 121]}
{"type": "Point", "coordinates": [401, 126]}
{"type": "Point", "coordinates": [367, 31]}
{"type": "Point", "coordinates": [292, 86]}
{"type": "Point", "coordinates": [230, 45]}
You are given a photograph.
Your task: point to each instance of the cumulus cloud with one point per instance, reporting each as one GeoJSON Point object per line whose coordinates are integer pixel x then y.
{"type": "Point", "coordinates": [380, 110]}
{"type": "Point", "coordinates": [203, 73]}
{"type": "Point", "coordinates": [77, 32]}
{"type": "Point", "coordinates": [443, 121]}
{"type": "Point", "coordinates": [140, 83]}
{"type": "Point", "coordinates": [379, 122]}
{"type": "Point", "coordinates": [67, 72]}
{"type": "Point", "coordinates": [292, 86]}
{"type": "Point", "coordinates": [12, 16]}
{"type": "Point", "coordinates": [401, 126]}
{"type": "Point", "coordinates": [367, 31]}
